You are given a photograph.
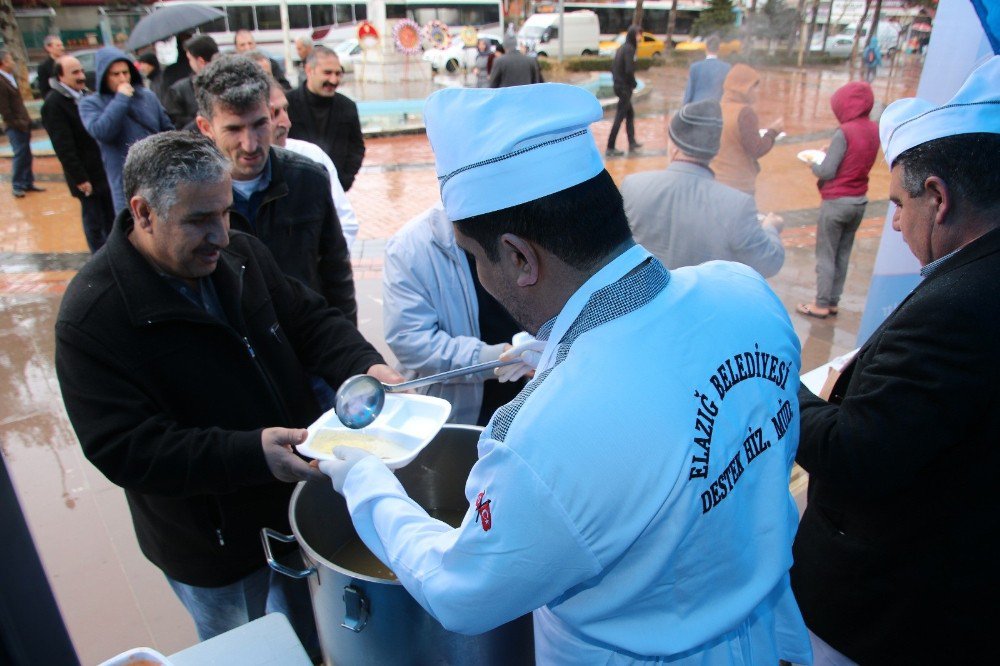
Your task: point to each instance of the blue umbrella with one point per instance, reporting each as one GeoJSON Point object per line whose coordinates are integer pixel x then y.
{"type": "Point", "coordinates": [167, 21]}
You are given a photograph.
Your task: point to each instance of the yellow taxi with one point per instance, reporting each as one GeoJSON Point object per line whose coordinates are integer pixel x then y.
{"type": "Point", "coordinates": [697, 44]}
{"type": "Point", "coordinates": [649, 46]}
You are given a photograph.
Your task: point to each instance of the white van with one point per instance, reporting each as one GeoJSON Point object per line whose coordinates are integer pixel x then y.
{"type": "Point", "coordinates": [540, 34]}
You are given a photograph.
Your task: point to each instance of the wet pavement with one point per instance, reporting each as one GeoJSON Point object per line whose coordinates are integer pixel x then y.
{"type": "Point", "coordinates": [111, 598]}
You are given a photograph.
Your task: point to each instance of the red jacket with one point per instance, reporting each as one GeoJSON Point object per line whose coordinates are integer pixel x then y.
{"type": "Point", "coordinates": [851, 104]}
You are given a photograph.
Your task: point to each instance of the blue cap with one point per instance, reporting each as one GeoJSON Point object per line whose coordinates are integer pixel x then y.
{"type": "Point", "coordinates": [975, 108]}
{"type": "Point", "coordinates": [497, 148]}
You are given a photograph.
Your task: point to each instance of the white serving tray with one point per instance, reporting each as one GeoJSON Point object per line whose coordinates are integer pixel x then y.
{"type": "Point", "coordinates": [407, 424]}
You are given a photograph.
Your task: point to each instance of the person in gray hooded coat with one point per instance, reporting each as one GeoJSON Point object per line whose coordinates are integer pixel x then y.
{"type": "Point", "coordinates": [122, 112]}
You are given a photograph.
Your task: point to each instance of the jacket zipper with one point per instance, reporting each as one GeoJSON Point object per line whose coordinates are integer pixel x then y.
{"type": "Point", "coordinates": [219, 534]}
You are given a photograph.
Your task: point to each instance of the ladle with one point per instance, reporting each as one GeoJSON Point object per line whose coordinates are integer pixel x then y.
{"type": "Point", "coordinates": [360, 399]}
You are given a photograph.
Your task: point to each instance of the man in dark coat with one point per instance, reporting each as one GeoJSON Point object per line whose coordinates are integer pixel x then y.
{"type": "Point", "coordinates": [54, 50]}
{"type": "Point", "coordinates": [179, 347]}
{"type": "Point", "coordinates": [17, 126]}
{"type": "Point", "coordinates": [77, 151]}
{"type": "Point", "coordinates": [282, 198]}
{"type": "Point", "coordinates": [181, 103]}
{"type": "Point", "coordinates": [514, 68]}
{"type": "Point", "coordinates": [321, 115]}
{"type": "Point", "coordinates": [895, 556]}
{"type": "Point", "coordinates": [623, 80]}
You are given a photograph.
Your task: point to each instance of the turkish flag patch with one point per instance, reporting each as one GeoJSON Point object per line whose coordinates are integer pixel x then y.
{"type": "Point", "coordinates": [483, 515]}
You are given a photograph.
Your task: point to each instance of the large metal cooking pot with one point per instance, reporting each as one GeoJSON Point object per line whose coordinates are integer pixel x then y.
{"type": "Point", "coordinates": [364, 619]}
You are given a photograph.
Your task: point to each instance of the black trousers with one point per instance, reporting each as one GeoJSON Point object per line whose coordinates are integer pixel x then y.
{"type": "Point", "coordinates": [98, 213]}
{"type": "Point", "coordinates": [623, 112]}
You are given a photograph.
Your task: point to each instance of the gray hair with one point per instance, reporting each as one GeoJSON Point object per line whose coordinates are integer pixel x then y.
{"type": "Point", "coordinates": [712, 44]}
{"type": "Point", "coordinates": [257, 56]}
{"type": "Point", "coordinates": [235, 82]}
{"type": "Point", "coordinates": [49, 39]}
{"type": "Point", "coordinates": [303, 40]}
{"type": "Point", "coordinates": [318, 52]}
{"type": "Point", "coordinates": [156, 165]}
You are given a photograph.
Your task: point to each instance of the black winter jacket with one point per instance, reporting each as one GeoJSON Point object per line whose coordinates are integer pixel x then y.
{"type": "Point", "coordinates": [341, 139]}
{"type": "Point", "coordinates": [169, 402]}
{"type": "Point", "coordinates": [180, 102]}
{"type": "Point", "coordinates": [296, 219]}
{"type": "Point", "coordinates": [78, 153]}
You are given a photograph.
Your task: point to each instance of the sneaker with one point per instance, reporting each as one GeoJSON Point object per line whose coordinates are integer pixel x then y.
{"type": "Point", "coordinates": [19, 194]}
{"type": "Point", "coordinates": [610, 152]}
{"type": "Point", "coordinates": [632, 147]}
{"type": "Point", "coordinates": [34, 188]}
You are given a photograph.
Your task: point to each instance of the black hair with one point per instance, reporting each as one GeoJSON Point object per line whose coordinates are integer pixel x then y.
{"type": "Point", "coordinates": [202, 46]}
{"type": "Point", "coordinates": [965, 162]}
{"type": "Point", "coordinates": [580, 225]}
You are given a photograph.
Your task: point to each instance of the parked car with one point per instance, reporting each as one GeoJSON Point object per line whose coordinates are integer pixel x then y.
{"type": "Point", "coordinates": [650, 46]}
{"type": "Point", "coordinates": [540, 34]}
{"type": "Point", "coordinates": [458, 55]}
{"type": "Point", "coordinates": [698, 44]}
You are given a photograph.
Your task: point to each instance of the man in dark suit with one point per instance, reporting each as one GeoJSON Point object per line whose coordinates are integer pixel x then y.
{"type": "Point", "coordinates": [321, 115]}
{"type": "Point", "coordinates": [707, 76]}
{"type": "Point", "coordinates": [17, 126]}
{"type": "Point", "coordinates": [514, 68]}
{"type": "Point", "coordinates": [78, 153]}
{"type": "Point", "coordinates": [54, 50]}
{"type": "Point", "coordinates": [181, 103]}
{"type": "Point", "coordinates": [895, 556]}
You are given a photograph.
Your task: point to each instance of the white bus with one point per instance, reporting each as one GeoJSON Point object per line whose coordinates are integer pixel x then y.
{"type": "Point", "coordinates": [332, 21]}
{"type": "Point", "coordinates": [616, 16]}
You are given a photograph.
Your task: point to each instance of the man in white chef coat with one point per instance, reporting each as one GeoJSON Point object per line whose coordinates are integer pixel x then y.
{"type": "Point", "coordinates": [634, 495]}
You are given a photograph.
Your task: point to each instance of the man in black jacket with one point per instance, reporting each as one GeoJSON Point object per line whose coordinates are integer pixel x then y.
{"type": "Point", "coordinates": [78, 153]}
{"type": "Point", "coordinates": [282, 198]}
{"type": "Point", "coordinates": [321, 115]}
{"type": "Point", "coordinates": [181, 103]}
{"type": "Point", "coordinates": [895, 556]}
{"type": "Point", "coordinates": [623, 80]}
{"type": "Point", "coordinates": [178, 347]}
{"type": "Point", "coordinates": [54, 50]}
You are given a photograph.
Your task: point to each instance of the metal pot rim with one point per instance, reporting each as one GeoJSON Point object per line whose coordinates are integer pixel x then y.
{"type": "Point", "coordinates": [316, 557]}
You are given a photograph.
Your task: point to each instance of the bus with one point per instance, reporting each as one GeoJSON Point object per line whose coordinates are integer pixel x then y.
{"type": "Point", "coordinates": [616, 16]}
{"type": "Point", "coordinates": [332, 21]}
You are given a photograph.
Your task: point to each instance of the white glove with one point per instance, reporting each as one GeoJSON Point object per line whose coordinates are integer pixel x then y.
{"type": "Point", "coordinates": [528, 350]}
{"type": "Point", "coordinates": [346, 458]}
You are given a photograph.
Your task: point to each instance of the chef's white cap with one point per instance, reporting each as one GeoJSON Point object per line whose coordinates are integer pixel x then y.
{"type": "Point", "coordinates": [975, 108]}
{"type": "Point", "coordinates": [497, 148]}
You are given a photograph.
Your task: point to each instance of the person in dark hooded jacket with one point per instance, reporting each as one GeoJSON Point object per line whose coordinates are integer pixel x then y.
{"type": "Point", "coordinates": [623, 79]}
{"type": "Point", "coordinates": [843, 185]}
{"type": "Point", "coordinates": [122, 112]}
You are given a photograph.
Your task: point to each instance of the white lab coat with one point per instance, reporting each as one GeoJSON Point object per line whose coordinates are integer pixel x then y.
{"type": "Point", "coordinates": [597, 493]}
{"type": "Point", "coordinates": [345, 212]}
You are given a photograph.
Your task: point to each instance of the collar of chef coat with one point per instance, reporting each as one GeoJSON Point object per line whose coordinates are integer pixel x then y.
{"type": "Point", "coordinates": [619, 267]}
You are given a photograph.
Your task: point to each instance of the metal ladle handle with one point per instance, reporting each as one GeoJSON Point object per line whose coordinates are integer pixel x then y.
{"type": "Point", "coordinates": [450, 374]}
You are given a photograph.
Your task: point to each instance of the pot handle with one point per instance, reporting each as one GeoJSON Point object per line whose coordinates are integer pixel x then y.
{"type": "Point", "coordinates": [265, 534]}
{"type": "Point", "coordinates": [355, 609]}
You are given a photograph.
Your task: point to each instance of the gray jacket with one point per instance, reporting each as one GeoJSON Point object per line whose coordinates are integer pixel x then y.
{"type": "Point", "coordinates": [684, 217]}
{"type": "Point", "coordinates": [430, 312]}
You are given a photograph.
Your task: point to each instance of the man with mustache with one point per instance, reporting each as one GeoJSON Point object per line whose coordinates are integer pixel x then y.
{"type": "Point", "coordinates": [321, 115]}
{"type": "Point", "coordinates": [78, 153]}
{"type": "Point", "coordinates": [179, 347]}
{"type": "Point", "coordinates": [281, 124]}
{"type": "Point", "coordinates": [277, 196]}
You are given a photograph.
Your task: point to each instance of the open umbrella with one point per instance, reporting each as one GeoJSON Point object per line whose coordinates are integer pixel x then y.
{"type": "Point", "coordinates": [168, 21]}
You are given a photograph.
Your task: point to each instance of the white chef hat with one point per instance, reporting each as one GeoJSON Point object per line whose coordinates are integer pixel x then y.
{"type": "Point", "coordinates": [975, 108]}
{"type": "Point", "coordinates": [497, 148]}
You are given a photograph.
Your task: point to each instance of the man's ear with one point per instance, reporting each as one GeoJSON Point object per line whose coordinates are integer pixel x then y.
{"type": "Point", "coordinates": [938, 197]}
{"type": "Point", "coordinates": [204, 126]}
{"type": "Point", "coordinates": [142, 213]}
{"type": "Point", "coordinates": [520, 254]}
